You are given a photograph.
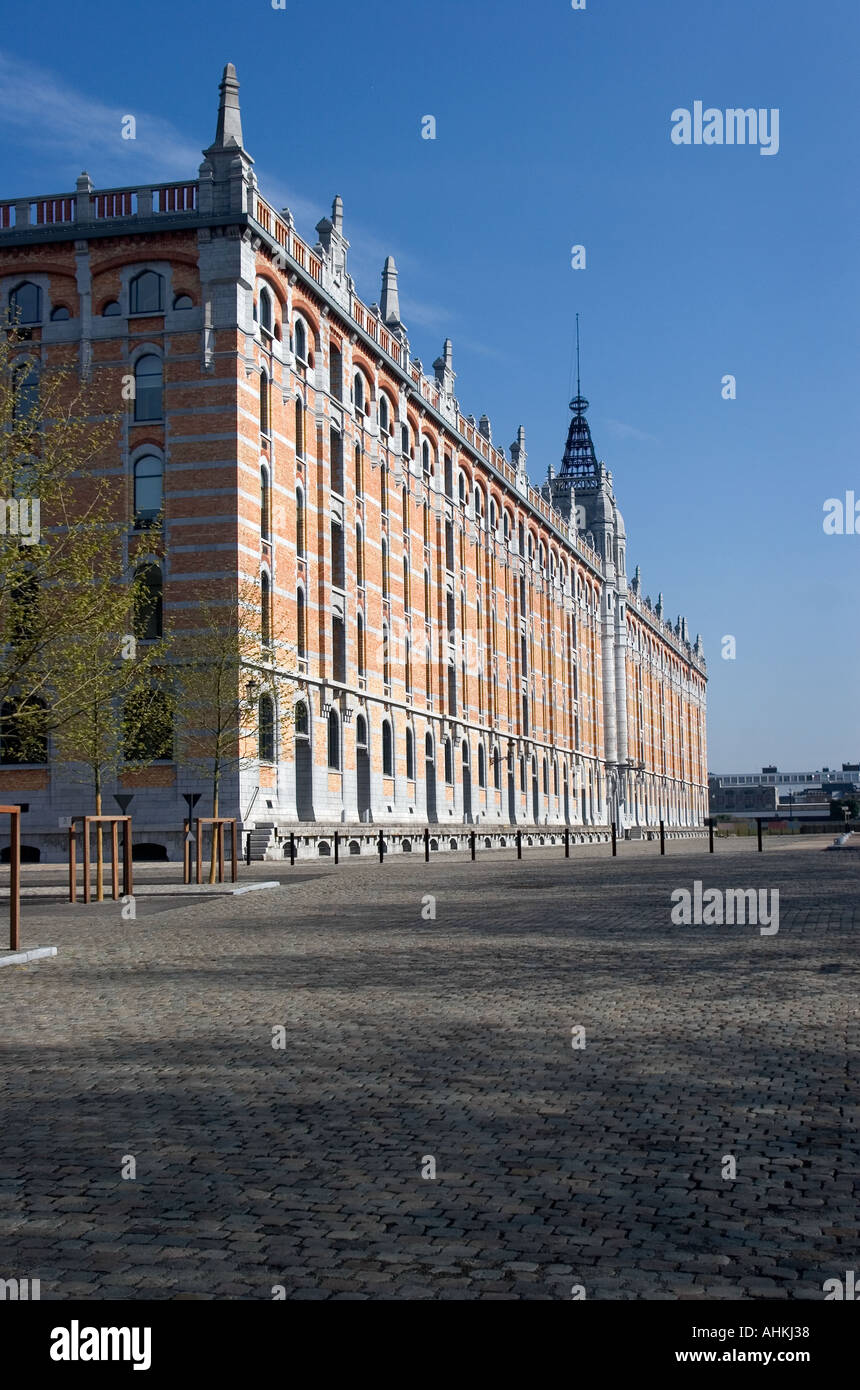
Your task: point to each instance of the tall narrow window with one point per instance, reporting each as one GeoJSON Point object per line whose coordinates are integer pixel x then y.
{"type": "Point", "coordinates": [407, 667]}
{"type": "Point", "coordinates": [383, 488]}
{"type": "Point", "coordinates": [449, 476]}
{"type": "Point", "coordinates": [148, 490]}
{"type": "Point", "coordinates": [265, 506]}
{"type": "Point", "coordinates": [266, 321]}
{"type": "Point", "coordinates": [301, 539]}
{"type": "Point", "coordinates": [428, 672]}
{"type": "Point", "coordinates": [336, 456]}
{"type": "Point", "coordinates": [426, 510]}
{"type": "Point", "coordinates": [497, 769]}
{"type": "Point", "coordinates": [425, 456]}
{"type": "Point", "coordinates": [338, 567]}
{"type": "Point", "coordinates": [359, 472]}
{"type": "Point", "coordinates": [148, 388]}
{"type": "Point", "coordinates": [146, 293]}
{"type": "Point", "coordinates": [338, 650]}
{"type": "Point", "coordinates": [407, 597]}
{"type": "Point", "coordinates": [387, 750]}
{"type": "Point", "coordinates": [300, 428]}
{"type": "Point", "coordinates": [482, 766]}
{"type": "Point", "coordinates": [427, 613]}
{"type": "Point", "coordinates": [301, 626]}
{"type": "Point", "coordinates": [266, 730]}
{"type": "Point", "coordinates": [358, 393]}
{"type": "Point", "coordinates": [333, 741]}
{"type": "Point", "coordinates": [359, 557]}
{"type": "Point", "coordinates": [148, 601]}
{"type": "Point", "coordinates": [410, 755]}
{"type": "Point", "coordinates": [406, 510]}
{"type": "Point", "coordinates": [384, 568]}
{"type": "Point", "coordinates": [386, 657]}
{"type": "Point", "coordinates": [264, 404]}
{"type": "Point", "coordinates": [25, 391]}
{"type": "Point", "coordinates": [384, 415]}
{"type": "Point", "coordinates": [301, 341]}
{"type": "Point", "coordinates": [449, 763]}
{"type": "Point", "coordinates": [335, 372]}
{"type": "Point", "coordinates": [266, 611]}
{"type": "Point", "coordinates": [360, 645]}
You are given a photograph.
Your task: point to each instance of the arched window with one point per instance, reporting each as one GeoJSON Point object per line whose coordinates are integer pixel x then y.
{"type": "Point", "coordinates": [497, 769]}
{"type": "Point", "coordinates": [265, 505]}
{"type": "Point", "coordinates": [146, 293]}
{"type": "Point", "coordinates": [359, 395]}
{"type": "Point", "coordinates": [183, 301]}
{"type": "Point", "coordinates": [384, 415]}
{"type": "Point", "coordinates": [302, 721]}
{"type": "Point", "coordinates": [333, 740]}
{"type": "Point", "coordinates": [300, 523]}
{"type": "Point", "coordinates": [148, 603]}
{"type": "Point", "coordinates": [425, 456]}
{"type": "Point", "coordinates": [111, 309]}
{"type": "Point", "coordinates": [555, 777]}
{"type": "Point", "coordinates": [25, 303]}
{"type": "Point", "coordinates": [266, 317]}
{"type": "Point", "coordinates": [301, 341]}
{"type": "Point", "coordinates": [410, 755]}
{"type": "Point", "coordinates": [265, 611]}
{"type": "Point", "coordinates": [428, 747]}
{"type": "Point", "coordinates": [387, 750]}
{"type": "Point", "coordinates": [300, 428]}
{"type": "Point", "coordinates": [301, 626]}
{"type": "Point", "coordinates": [461, 486]}
{"type": "Point", "coordinates": [359, 557]}
{"type": "Point", "coordinates": [25, 390]}
{"type": "Point", "coordinates": [361, 732]}
{"type": "Point", "coordinates": [482, 766]}
{"type": "Point", "coordinates": [479, 506]}
{"type": "Point", "coordinates": [266, 730]}
{"type": "Point", "coordinates": [264, 404]}
{"type": "Point", "coordinates": [148, 384]}
{"type": "Point", "coordinates": [494, 514]}
{"type": "Point", "coordinates": [360, 645]}
{"type": "Point", "coordinates": [386, 657]}
{"type": "Point", "coordinates": [60, 314]}
{"type": "Point", "coordinates": [545, 778]}
{"type": "Point", "coordinates": [449, 763]}
{"type": "Point", "coordinates": [148, 490]}
{"type": "Point", "coordinates": [405, 440]}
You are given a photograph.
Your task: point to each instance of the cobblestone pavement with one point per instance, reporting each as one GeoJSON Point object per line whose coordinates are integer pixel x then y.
{"type": "Point", "coordinates": [409, 1037]}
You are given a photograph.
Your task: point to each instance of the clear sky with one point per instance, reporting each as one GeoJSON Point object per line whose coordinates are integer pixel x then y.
{"type": "Point", "coordinates": [553, 130]}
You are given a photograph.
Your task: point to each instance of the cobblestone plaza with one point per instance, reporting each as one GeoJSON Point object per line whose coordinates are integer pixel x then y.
{"type": "Point", "coordinates": [410, 1037]}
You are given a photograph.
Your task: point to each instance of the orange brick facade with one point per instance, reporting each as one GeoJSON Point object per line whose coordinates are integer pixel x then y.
{"type": "Point", "coordinates": [465, 649]}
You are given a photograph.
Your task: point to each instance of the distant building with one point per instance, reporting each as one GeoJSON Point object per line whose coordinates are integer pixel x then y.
{"type": "Point", "coordinates": [772, 792]}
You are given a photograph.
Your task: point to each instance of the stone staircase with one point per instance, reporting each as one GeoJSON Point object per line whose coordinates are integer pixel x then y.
{"type": "Point", "coordinates": [263, 841]}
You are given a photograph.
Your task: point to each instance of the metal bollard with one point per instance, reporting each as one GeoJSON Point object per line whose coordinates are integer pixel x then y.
{"type": "Point", "coordinates": [710, 836]}
{"type": "Point", "coordinates": [519, 844]}
{"type": "Point", "coordinates": [758, 828]}
{"type": "Point", "coordinates": [381, 847]}
{"type": "Point", "coordinates": [336, 847]}
{"type": "Point", "coordinates": [292, 847]}
{"type": "Point", "coordinates": [567, 844]}
{"type": "Point", "coordinates": [472, 839]}
{"type": "Point", "coordinates": [614, 845]}
{"type": "Point", "coordinates": [427, 846]}
{"type": "Point", "coordinates": [662, 837]}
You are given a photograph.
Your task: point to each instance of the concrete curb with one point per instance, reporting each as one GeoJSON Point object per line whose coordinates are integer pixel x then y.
{"type": "Point", "coordinates": [22, 957]}
{"type": "Point", "coordinates": [255, 887]}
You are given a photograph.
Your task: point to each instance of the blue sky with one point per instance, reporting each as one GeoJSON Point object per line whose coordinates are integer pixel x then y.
{"type": "Point", "coordinates": [553, 129]}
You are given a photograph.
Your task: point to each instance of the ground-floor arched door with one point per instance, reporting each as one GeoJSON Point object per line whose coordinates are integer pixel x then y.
{"type": "Point", "coordinates": [362, 769]}
{"type": "Point", "coordinates": [304, 780]}
{"type": "Point", "coordinates": [467, 784]}
{"type": "Point", "coordinates": [430, 779]}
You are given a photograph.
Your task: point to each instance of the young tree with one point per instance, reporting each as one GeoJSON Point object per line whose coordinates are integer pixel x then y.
{"type": "Point", "coordinates": [231, 671]}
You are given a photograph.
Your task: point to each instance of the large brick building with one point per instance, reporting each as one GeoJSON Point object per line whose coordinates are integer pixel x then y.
{"type": "Point", "coordinates": [468, 649]}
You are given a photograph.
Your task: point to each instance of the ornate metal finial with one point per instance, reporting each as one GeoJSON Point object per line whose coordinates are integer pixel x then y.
{"type": "Point", "coordinates": [579, 463]}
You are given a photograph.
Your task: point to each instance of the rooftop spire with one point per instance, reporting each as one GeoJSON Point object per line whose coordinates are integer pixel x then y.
{"type": "Point", "coordinates": [579, 463]}
{"type": "Point", "coordinates": [229, 130]}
